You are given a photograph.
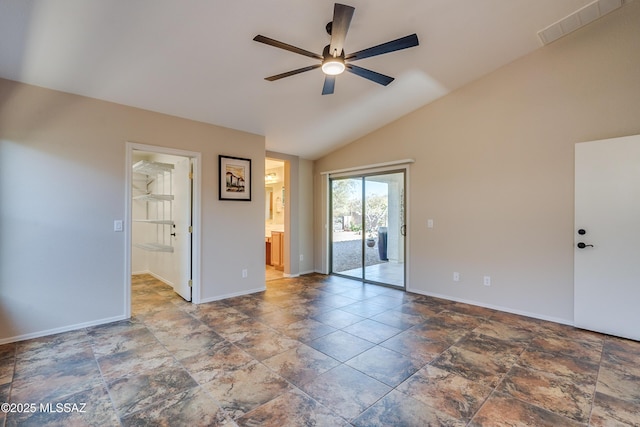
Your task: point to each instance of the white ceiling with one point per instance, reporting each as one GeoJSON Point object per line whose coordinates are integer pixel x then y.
{"type": "Point", "coordinates": [196, 58]}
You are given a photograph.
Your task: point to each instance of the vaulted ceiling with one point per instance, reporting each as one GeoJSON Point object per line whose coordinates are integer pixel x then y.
{"type": "Point", "coordinates": [196, 58]}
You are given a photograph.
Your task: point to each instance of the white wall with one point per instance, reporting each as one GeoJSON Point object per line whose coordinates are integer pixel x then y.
{"type": "Point", "coordinates": [494, 168]}
{"type": "Point", "coordinates": [62, 184]}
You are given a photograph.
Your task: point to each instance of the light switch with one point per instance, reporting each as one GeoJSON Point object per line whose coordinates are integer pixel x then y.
{"type": "Point", "coordinates": [117, 225]}
{"type": "Point", "coordinates": [429, 223]}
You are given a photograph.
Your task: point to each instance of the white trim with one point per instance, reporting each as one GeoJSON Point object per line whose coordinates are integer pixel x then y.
{"type": "Point", "coordinates": [62, 329]}
{"type": "Point", "coordinates": [287, 275]}
{"type": "Point", "coordinates": [196, 255]}
{"type": "Point", "coordinates": [302, 273]}
{"type": "Point", "coordinates": [373, 166]}
{"type": "Point", "coordinates": [235, 294]}
{"type": "Point", "coordinates": [494, 307]}
{"type": "Point", "coordinates": [128, 185]}
{"type": "Point", "coordinates": [407, 228]}
{"type": "Point", "coordinates": [326, 216]}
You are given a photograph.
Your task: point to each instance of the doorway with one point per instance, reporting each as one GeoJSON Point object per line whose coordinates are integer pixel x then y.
{"type": "Point", "coordinates": [274, 218]}
{"type": "Point", "coordinates": [163, 218]}
{"type": "Point", "coordinates": [368, 227]}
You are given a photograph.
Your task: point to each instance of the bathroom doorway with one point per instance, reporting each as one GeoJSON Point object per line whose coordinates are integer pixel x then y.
{"type": "Point", "coordinates": [274, 218]}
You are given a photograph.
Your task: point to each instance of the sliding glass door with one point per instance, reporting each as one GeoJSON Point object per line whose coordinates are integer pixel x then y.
{"type": "Point", "coordinates": [367, 239]}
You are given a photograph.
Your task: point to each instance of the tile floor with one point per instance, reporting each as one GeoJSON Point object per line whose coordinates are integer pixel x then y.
{"type": "Point", "coordinates": [271, 273]}
{"type": "Point", "coordinates": [321, 351]}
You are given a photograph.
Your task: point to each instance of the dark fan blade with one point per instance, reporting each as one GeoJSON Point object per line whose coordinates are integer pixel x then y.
{"type": "Point", "coordinates": [329, 85]}
{"type": "Point", "coordinates": [285, 46]}
{"type": "Point", "coordinates": [342, 15]}
{"type": "Point", "coordinates": [371, 75]}
{"type": "Point", "coordinates": [392, 46]}
{"type": "Point", "coordinates": [293, 72]}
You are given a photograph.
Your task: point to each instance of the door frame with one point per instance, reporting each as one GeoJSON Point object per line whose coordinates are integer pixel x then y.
{"type": "Point", "coordinates": [196, 159]}
{"type": "Point", "coordinates": [287, 246]}
{"type": "Point", "coordinates": [392, 166]}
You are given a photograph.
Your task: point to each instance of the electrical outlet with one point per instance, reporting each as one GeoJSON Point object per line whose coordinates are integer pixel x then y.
{"type": "Point", "coordinates": [245, 273]}
{"type": "Point", "coordinates": [456, 276]}
{"type": "Point", "coordinates": [429, 223]}
{"type": "Point", "coordinates": [301, 257]}
{"type": "Point", "coordinates": [487, 281]}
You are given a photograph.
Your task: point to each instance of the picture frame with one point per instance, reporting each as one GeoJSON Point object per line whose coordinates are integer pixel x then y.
{"type": "Point", "coordinates": [235, 178]}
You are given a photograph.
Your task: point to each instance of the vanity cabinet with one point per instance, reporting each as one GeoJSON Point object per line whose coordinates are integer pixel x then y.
{"type": "Point", "coordinates": [267, 241]}
{"type": "Point", "coordinates": [277, 250]}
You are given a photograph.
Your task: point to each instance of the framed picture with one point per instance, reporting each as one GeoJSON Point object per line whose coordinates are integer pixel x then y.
{"type": "Point", "coordinates": [235, 178]}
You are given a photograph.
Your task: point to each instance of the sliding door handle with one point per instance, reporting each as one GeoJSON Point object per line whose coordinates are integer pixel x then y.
{"type": "Point", "coordinates": [403, 230]}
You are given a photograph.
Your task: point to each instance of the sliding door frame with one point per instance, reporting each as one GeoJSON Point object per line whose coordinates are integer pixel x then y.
{"type": "Point", "coordinates": [363, 173]}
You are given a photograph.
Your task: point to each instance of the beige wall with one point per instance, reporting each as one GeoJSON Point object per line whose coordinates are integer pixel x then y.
{"type": "Point", "coordinates": [494, 168]}
{"type": "Point", "coordinates": [306, 215]}
{"type": "Point", "coordinates": [62, 184]}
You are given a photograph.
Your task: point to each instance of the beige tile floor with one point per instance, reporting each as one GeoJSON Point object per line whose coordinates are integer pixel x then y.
{"type": "Point", "coordinates": [321, 351]}
{"type": "Point", "coordinates": [271, 273]}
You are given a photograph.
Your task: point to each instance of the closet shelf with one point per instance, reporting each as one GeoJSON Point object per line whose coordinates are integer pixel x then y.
{"type": "Point", "coordinates": [155, 221]}
{"type": "Point", "coordinates": [161, 175]}
{"type": "Point", "coordinates": [154, 197]}
{"type": "Point", "coordinates": [151, 168]}
{"type": "Point", "coordinates": [154, 247]}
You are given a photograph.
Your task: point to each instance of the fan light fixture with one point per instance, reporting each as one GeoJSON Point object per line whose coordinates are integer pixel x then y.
{"type": "Point", "coordinates": [333, 66]}
{"type": "Point", "coordinates": [333, 60]}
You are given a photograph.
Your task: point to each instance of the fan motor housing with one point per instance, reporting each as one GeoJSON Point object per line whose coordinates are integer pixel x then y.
{"type": "Point", "coordinates": [326, 54]}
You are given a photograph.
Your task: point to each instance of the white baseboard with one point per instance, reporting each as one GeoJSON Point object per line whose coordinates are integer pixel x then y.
{"type": "Point", "coordinates": [302, 273]}
{"type": "Point", "coordinates": [61, 329]}
{"type": "Point", "coordinates": [288, 276]}
{"type": "Point", "coordinates": [235, 294]}
{"type": "Point", "coordinates": [495, 307]}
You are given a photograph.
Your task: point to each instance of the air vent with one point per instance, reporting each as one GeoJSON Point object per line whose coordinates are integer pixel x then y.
{"type": "Point", "coordinates": [577, 19]}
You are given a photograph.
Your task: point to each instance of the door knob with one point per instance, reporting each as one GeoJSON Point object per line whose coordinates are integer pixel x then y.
{"type": "Point", "coordinates": [582, 245]}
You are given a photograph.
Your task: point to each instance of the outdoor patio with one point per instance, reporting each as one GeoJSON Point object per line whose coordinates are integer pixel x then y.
{"type": "Point", "coordinates": [347, 260]}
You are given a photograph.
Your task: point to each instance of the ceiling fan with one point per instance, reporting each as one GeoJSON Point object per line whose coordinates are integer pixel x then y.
{"type": "Point", "coordinates": [334, 60]}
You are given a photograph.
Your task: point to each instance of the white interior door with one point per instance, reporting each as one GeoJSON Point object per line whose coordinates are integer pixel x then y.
{"type": "Point", "coordinates": [607, 208]}
{"type": "Point", "coordinates": [182, 220]}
